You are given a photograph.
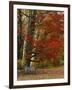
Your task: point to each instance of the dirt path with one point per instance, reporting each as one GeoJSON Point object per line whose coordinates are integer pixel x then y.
{"type": "Point", "coordinates": [51, 73]}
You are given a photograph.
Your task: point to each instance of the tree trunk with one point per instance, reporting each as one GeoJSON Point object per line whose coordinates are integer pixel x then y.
{"type": "Point", "coordinates": [29, 39]}
{"type": "Point", "coordinates": [19, 36]}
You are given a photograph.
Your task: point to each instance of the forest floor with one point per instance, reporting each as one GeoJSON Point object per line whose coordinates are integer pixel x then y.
{"type": "Point", "coordinates": [48, 73]}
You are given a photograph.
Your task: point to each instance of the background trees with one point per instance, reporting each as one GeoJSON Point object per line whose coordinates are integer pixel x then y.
{"type": "Point", "coordinates": [43, 34]}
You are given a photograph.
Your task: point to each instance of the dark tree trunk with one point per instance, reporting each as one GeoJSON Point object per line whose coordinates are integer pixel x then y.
{"type": "Point", "coordinates": [19, 36]}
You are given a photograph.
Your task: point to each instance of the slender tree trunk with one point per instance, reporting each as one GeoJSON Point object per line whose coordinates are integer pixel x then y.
{"type": "Point", "coordinates": [20, 36]}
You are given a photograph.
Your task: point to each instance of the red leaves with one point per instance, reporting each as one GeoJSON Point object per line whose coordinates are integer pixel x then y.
{"type": "Point", "coordinates": [28, 37]}
{"type": "Point", "coordinates": [52, 54]}
{"type": "Point", "coordinates": [49, 48]}
{"type": "Point", "coordinates": [57, 17]}
{"type": "Point", "coordinates": [55, 23]}
{"type": "Point", "coordinates": [54, 48]}
{"type": "Point", "coordinates": [54, 44]}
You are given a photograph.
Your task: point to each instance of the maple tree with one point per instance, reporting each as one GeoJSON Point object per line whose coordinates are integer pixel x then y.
{"type": "Point", "coordinates": [51, 48]}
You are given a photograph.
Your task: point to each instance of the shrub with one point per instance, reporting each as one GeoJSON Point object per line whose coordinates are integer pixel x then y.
{"type": "Point", "coordinates": [19, 65]}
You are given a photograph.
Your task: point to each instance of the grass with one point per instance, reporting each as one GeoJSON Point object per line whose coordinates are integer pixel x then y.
{"type": "Point", "coordinates": [46, 73]}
